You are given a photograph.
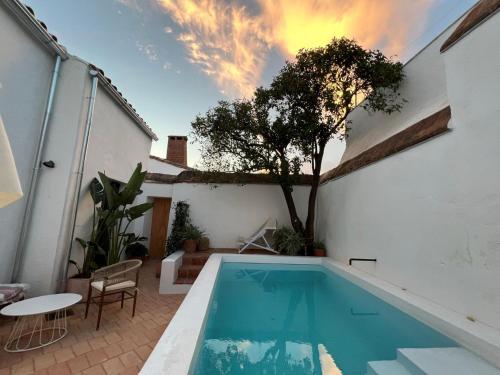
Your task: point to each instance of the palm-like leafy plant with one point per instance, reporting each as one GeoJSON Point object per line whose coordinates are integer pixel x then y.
{"type": "Point", "coordinates": [91, 247]}
{"type": "Point", "coordinates": [119, 214]}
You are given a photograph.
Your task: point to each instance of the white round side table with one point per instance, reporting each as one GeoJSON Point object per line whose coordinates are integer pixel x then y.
{"type": "Point", "coordinates": [30, 330]}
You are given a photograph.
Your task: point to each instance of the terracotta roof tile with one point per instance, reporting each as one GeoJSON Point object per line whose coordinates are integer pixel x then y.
{"type": "Point", "coordinates": [483, 10]}
{"type": "Point", "coordinates": [429, 127]}
{"type": "Point", "coordinates": [199, 177]}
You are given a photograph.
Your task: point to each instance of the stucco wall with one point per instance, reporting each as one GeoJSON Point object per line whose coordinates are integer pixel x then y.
{"type": "Point", "coordinates": [115, 147]}
{"type": "Point", "coordinates": [425, 90]}
{"type": "Point", "coordinates": [227, 211]}
{"type": "Point", "coordinates": [156, 166]}
{"type": "Point", "coordinates": [46, 237]}
{"type": "Point", "coordinates": [25, 69]}
{"type": "Point", "coordinates": [431, 214]}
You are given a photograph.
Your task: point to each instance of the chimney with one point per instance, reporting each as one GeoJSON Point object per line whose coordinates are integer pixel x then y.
{"type": "Point", "coordinates": [177, 149]}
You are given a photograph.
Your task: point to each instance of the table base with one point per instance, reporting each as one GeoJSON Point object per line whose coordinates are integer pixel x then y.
{"type": "Point", "coordinates": [30, 332]}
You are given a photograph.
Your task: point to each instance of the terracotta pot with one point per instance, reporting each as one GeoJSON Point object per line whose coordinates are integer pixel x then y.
{"type": "Point", "coordinates": [319, 252]}
{"type": "Point", "coordinates": [79, 286]}
{"type": "Point", "coordinates": [190, 246]}
{"type": "Point", "coordinates": [204, 244]}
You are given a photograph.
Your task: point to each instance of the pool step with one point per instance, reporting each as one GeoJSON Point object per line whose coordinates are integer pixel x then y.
{"type": "Point", "coordinates": [433, 361]}
{"type": "Point", "coordinates": [192, 263]}
{"type": "Point", "coordinates": [386, 368]}
{"type": "Point", "coordinates": [456, 361]}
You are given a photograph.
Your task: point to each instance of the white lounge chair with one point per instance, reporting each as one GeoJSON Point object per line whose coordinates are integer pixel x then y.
{"type": "Point", "coordinates": [258, 239]}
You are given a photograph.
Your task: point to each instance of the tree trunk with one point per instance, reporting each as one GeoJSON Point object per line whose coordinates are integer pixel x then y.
{"type": "Point", "coordinates": [311, 208]}
{"type": "Point", "coordinates": [292, 210]}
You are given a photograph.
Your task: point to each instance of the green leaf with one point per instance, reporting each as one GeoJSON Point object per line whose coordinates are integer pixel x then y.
{"type": "Point", "coordinates": [82, 242]}
{"type": "Point", "coordinates": [96, 191]}
{"type": "Point", "coordinates": [133, 187]}
{"type": "Point", "coordinates": [112, 197]}
{"type": "Point", "coordinates": [137, 211]}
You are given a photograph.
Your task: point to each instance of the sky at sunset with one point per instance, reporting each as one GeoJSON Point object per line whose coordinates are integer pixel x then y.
{"type": "Point", "coordinates": [173, 59]}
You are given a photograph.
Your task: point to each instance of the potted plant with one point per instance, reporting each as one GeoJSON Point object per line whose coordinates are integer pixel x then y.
{"type": "Point", "coordinates": [204, 244]}
{"type": "Point", "coordinates": [319, 249]}
{"type": "Point", "coordinates": [137, 250]}
{"type": "Point", "coordinates": [191, 236]}
{"type": "Point", "coordinates": [287, 241]}
{"type": "Point", "coordinates": [181, 221]}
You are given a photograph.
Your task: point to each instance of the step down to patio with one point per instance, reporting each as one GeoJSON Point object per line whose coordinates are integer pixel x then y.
{"type": "Point", "coordinates": [433, 361]}
{"type": "Point", "coordinates": [185, 280]}
{"type": "Point", "coordinates": [192, 263]}
{"type": "Point", "coordinates": [189, 271]}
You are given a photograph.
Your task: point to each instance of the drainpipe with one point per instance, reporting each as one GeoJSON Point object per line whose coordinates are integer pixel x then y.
{"type": "Point", "coordinates": [36, 171]}
{"type": "Point", "coordinates": [79, 176]}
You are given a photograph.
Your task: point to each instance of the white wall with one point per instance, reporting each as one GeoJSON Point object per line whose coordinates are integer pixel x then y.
{"type": "Point", "coordinates": [25, 69]}
{"type": "Point", "coordinates": [431, 214]}
{"type": "Point", "coordinates": [46, 237]}
{"type": "Point", "coordinates": [156, 166]}
{"type": "Point", "coordinates": [227, 211]}
{"type": "Point", "coordinates": [115, 147]}
{"type": "Point", "coordinates": [425, 90]}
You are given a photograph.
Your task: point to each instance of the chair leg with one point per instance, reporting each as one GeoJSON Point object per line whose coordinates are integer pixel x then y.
{"type": "Point", "coordinates": [123, 297]}
{"type": "Point", "coordinates": [89, 298]}
{"type": "Point", "coordinates": [135, 301]}
{"type": "Point", "coordinates": [101, 302]}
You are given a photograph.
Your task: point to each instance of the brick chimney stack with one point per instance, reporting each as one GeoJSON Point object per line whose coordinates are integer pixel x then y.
{"type": "Point", "coordinates": [177, 149]}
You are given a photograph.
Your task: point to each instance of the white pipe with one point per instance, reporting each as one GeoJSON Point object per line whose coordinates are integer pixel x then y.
{"type": "Point", "coordinates": [36, 171]}
{"type": "Point", "coordinates": [79, 176]}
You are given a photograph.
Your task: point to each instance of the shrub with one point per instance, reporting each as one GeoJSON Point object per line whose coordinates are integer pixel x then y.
{"type": "Point", "coordinates": [287, 241]}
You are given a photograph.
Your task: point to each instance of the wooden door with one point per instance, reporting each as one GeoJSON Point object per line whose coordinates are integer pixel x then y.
{"type": "Point", "coordinates": [159, 225]}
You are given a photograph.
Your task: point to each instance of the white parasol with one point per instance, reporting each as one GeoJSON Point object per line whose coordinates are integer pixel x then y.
{"type": "Point", "coordinates": [10, 187]}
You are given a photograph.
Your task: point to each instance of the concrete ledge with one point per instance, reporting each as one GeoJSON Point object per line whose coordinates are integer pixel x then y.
{"type": "Point", "coordinates": [169, 267]}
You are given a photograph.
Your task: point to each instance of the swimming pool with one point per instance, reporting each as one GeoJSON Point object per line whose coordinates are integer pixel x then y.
{"type": "Point", "coordinates": [346, 323]}
{"type": "Point", "coordinates": [301, 319]}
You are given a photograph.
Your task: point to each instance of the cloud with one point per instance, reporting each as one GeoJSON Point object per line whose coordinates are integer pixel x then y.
{"type": "Point", "coordinates": [167, 65]}
{"type": "Point", "coordinates": [231, 44]}
{"type": "Point", "coordinates": [385, 24]}
{"type": "Point", "coordinates": [223, 40]}
{"type": "Point", "coordinates": [147, 49]}
{"type": "Point", "coordinates": [168, 30]}
{"type": "Point", "coordinates": [132, 4]}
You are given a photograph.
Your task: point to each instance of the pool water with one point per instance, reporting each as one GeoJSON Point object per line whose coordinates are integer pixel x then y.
{"type": "Point", "coordinates": [294, 319]}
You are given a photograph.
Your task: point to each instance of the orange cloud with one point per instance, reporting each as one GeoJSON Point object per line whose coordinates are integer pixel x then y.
{"type": "Point", "coordinates": [231, 45]}
{"type": "Point", "coordinates": [223, 39]}
{"type": "Point", "coordinates": [387, 24]}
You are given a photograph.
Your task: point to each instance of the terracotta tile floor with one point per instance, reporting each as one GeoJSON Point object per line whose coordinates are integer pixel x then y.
{"type": "Point", "coordinates": [121, 345]}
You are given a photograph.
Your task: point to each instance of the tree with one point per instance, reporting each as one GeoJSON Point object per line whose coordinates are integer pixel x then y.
{"type": "Point", "coordinates": [288, 125]}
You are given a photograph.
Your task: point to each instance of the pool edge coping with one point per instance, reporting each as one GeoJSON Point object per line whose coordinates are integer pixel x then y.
{"type": "Point", "coordinates": [176, 348]}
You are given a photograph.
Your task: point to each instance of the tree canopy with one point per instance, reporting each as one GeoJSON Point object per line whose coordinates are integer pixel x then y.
{"type": "Point", "coordinates": [287, 125]}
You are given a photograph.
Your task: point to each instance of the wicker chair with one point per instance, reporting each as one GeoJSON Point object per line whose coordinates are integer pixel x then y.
{"type": "Point", "coordinates": [120, 278]}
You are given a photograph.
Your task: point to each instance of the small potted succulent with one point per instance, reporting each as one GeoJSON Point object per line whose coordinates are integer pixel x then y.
{"type": "Point", "coordinates": [191, 235]}
{"type": "Point", "coordinates": [319, 249]}
{"type": "Point", "coordinates": [204, 244]}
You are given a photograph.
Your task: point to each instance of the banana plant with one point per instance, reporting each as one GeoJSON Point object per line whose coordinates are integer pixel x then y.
{"type": "Point", "coordinates": [91, 247]}
{"type": "Point", "coordinates": [119, 214]}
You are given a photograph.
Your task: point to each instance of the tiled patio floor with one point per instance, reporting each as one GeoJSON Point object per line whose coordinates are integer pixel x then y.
{"type": "Point", "coordinates": [121, 345]}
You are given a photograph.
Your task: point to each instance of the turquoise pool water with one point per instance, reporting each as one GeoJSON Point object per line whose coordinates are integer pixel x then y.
{"type": "Point", "coordinates": [286, 319]}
